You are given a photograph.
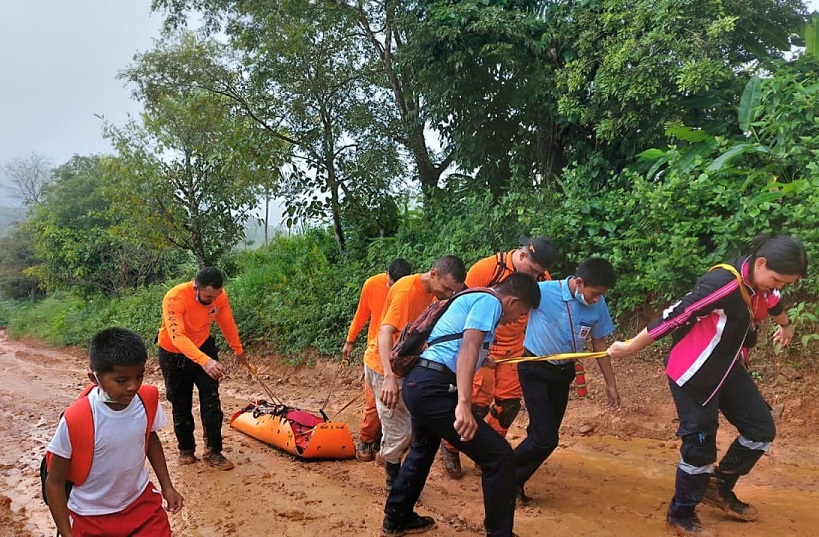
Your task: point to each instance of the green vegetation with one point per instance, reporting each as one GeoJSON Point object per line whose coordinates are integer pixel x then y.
{"type": "Point", "coordinates": [662, 135]}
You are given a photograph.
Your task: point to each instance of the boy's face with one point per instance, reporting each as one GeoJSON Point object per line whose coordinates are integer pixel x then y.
{"type": "Point", "coordinates": [592, 294]}
{"type": "Point", "coordinates": [121, 384]}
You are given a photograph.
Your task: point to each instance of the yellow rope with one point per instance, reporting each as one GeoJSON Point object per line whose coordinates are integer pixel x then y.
{"type": "Point", "coordinates": [550, 357]}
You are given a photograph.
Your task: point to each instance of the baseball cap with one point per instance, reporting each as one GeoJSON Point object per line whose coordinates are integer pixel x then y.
{"type": "Point", "coordinates": [541, 250]}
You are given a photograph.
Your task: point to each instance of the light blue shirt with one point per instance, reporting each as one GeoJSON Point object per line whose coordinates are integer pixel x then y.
{"type": "Point", "coordinates": [549, 330]}
{"type": "Point", "coordinates": [475, 311]}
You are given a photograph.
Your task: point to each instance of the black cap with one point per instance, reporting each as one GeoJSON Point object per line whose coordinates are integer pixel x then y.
{"type": "Point", "coordinates": [541, 250]}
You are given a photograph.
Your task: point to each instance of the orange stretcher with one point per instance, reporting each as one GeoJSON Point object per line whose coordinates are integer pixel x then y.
{"type": "Point", "coordinates": [301, 433]}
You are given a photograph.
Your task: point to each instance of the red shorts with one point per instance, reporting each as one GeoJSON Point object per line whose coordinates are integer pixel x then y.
{"type": "Point", "coordinates": [145, 517]}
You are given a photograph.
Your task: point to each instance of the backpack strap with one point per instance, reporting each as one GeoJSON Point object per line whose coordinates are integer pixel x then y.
{"type": "Point", "coordinates": [149, 395]}
{"type": "Point", "coordinates": [742, 289]}
{"type": "Point", "coordinates": [85, 391]}
{"type": "Point", "coordinates": [458, 335]}
{"type": "Point", "coordinates": [500, 269]}
{"type": "Point", "coordinates": [80, 423]}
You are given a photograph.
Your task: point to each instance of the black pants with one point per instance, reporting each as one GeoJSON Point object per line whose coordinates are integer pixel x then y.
{"type": "Point", "coordinates": [743, 406]}
{"type": "Point", "coordinates": [181, 375]}
{"type": "Point", "coordinates": [432, 404]}
{"type": "Point", "coordinates": [546, 392]}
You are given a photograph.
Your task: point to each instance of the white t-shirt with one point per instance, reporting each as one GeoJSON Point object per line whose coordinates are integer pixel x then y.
{"type": "Point", "coordinates": [118, 475]}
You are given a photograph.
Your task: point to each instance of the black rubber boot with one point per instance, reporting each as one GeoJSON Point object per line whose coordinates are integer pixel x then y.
{"type": "Point", "coordinates": [682, 519]}
{"type": "Point", "coordinates": [687, 526]}
{"type": "Point", "coordinates": [720, 494]}
{"type": "Point", "coordinates": [738, 461]}
{"type": "Point", "coordinates": [392, 469]}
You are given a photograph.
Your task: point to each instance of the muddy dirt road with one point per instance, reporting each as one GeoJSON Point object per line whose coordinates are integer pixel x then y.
{"type": "Point", "coordinates": [614, 480]}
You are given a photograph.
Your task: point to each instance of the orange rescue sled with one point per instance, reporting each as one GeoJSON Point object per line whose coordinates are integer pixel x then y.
{"type": "Point", "coordinates": [299, 432]}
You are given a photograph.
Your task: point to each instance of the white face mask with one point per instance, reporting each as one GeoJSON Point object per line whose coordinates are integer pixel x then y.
{"type": "Point", "coordinates": [580, 297]}
{"type": "Point", "coordinates": [103, 394]}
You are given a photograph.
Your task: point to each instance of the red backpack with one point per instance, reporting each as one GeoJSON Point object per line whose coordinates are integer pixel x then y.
{"type": "Point", "coordinates": [80, 423]}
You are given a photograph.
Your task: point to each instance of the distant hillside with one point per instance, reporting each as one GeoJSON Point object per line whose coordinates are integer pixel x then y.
{"type": "Point", "coordinates": [9, 217]}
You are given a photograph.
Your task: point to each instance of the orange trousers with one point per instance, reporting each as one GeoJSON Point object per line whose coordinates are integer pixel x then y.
{"type": "Point", "coordinates": [370, 424]}
{"type": "Point", "coordinates": [494, 383]}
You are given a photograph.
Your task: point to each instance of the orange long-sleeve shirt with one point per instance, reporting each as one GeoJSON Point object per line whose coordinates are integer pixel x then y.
{"type": "Point", "coordinates": [370, 308]}
{"type": "Point", "coordinates": [508, 340]}
{"type": "Point", "coordinates": [186, 323]}
{"type": "Point", "coordinates": [406, 300]}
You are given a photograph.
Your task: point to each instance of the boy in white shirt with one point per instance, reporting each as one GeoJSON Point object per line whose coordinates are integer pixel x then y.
{"type": "Point", "coordinates": [105, 455]}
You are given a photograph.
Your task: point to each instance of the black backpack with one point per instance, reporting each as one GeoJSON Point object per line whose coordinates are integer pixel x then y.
{"type": "Point", "coordinates": [415, 335]}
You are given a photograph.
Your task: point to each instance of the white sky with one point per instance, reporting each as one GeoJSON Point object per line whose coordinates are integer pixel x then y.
{"type": "Point", "coordinates": [58, 65]}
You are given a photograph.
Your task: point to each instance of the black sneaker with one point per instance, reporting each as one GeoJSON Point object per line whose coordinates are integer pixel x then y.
{"type": "Point", "coordinates": [414, 524]}
{"type": "Point", "coordinates": [186, 456]}
{"type": "Point", "coordinates": [717, 496]}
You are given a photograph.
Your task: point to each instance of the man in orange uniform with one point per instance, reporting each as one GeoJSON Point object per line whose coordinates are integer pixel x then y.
{"type": "Point", "coordinates": [370, 306]}
{"type": "Point", "coordinates": [496, 390]}
{"type": "Point", "coordinates": [406, 300]}
{"type": "Point", "coordinates": [188, 357]}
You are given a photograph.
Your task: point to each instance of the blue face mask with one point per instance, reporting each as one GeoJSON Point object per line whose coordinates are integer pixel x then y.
{"type": "Point", "coordinates": [579, 296]}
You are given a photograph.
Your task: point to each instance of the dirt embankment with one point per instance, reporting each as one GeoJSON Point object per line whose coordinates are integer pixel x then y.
{"type": "Point", "coordinates": [613, 480]}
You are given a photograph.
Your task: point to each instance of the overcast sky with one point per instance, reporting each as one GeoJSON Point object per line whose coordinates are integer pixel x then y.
{"type": "Point", "coordinates": [58, 65]}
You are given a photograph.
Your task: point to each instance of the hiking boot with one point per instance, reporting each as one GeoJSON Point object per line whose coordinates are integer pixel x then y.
{"type": "Point", "coordinates": [452, 462]}
{"type": "Point", "coordinates": [186, 456]}
{"type": "Point", "coordinates": [218, 461]}
{"type": "Point", "coordinates": [522, 498]}
{"type": "Point", "coordinates": [392, 469]}
{"type": "Point", "coordinates": [718, 495]}
{"type": "Point", "coordinates": [365, 451]}
{"type": "Point", "coordinates": [414, 524]}
{"type": "Point", "coordinates": [687, 526]}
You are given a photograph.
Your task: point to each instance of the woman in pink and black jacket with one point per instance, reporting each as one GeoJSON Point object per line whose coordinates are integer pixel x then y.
{"type": "Point", "coordinates": [712, 329]}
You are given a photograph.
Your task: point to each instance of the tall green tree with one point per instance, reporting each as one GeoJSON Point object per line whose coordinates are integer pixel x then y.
{"type": "Point", "coordinates": [81, 244]}
{"type": "Point", "coordinates": [387, 27]}
{"type": "Point", "coordinates": [16, 258]}
{"type": "Point", "coordinates": [522, 88]}
{"type": "Point", "coordinates": [627, 69]}
{"type": "Point", "coordinates": [485, 80]}
{"type": "Point", "coordinates": [305, 82]}
{"type": "Point", "coordinates": [184, 175]}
